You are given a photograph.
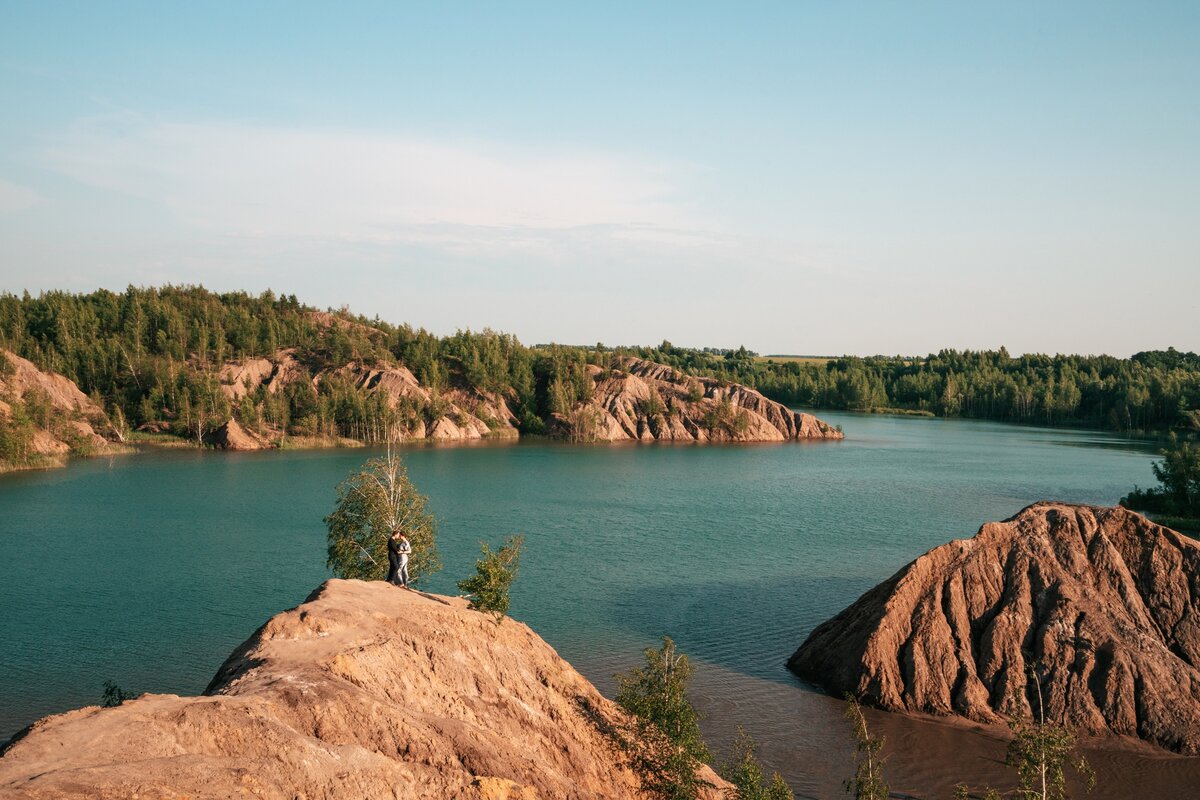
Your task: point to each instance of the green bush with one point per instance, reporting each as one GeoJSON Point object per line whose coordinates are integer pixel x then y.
{"type": "Point", "coordinates": [114, 695]}
{"type": "Point", "coordinates": [746, 774]}
{"type": "Point", "coordinates": [668, 727]}
{"type": "Point", "coordinates": [495, 572]}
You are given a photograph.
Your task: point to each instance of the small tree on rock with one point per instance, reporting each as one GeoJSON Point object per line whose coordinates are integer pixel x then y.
{"type": "Point", "coordinates": [495, 572]}
{"type": "Point", "coordinates": [668, 727]}
{"type": "Point", "coordinates": [371, 503]}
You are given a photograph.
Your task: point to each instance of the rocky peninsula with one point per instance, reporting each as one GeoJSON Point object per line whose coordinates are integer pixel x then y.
{"type": "Point", "coordinates": [639, 400]}
{"type": "Point", "coordinates": [364, 690]}
{"type": "Point", "coordinates": [1101, 604]}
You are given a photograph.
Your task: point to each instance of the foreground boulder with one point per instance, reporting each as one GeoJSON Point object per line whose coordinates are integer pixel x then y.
{"type": "Point", "coordinates": [639, 400]}
{"type": "Point", "coordinates": [1104, 602]}
{"type": "Point", "coordinates": [364, 691]}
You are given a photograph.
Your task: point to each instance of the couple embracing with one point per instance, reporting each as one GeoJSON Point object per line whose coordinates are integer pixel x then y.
{"type": "Point", "coordinates": [399, 549]}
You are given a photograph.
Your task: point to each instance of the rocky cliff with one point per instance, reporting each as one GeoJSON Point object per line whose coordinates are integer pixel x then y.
{"type": "Point", "coordinates": [45, 414]}
{"type": "Point", "coordinates": [1103, 604]}
{"type": "Point", "coordinates": [458, 413]}
{"type": "Point", "coordinates": [639, 400]}
{"type": "Point", "coordinates": [633, 400]}
{"type": "Point", "coordinates": [363, 691]}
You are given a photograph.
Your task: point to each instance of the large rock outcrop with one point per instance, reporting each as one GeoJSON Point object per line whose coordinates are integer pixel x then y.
{"type": "Point", "coordinates": [1101, 602]}
{"type": "Point", "coordinates": [639, 400]}
{"type": "Point", "coordinates": [458, 413]}
{"type": "Point", "coordinates": [365, 690]}
{"type": "Point", "coordinates": [75, 422]}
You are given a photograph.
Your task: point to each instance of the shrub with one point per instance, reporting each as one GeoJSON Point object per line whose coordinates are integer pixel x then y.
{"type": "Point", "coordinates": [671, 747]}
{"type": "Point", "coordinates": [495, 572]}
{"type": "Point", "coordinates": [746, 774]}
{"type": "Point", "coordinates": [114, 695]}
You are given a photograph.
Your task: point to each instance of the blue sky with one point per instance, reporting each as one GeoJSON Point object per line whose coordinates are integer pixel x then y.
{"type": "Point", "coordinates": [796, 177]}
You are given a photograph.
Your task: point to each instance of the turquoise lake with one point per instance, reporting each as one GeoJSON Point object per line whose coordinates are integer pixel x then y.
{"type": "Point", "coordinates": [148, 570]}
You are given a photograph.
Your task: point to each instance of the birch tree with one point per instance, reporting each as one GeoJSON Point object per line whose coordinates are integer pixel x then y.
{"type": "Point", "coordinates": [371, 503]}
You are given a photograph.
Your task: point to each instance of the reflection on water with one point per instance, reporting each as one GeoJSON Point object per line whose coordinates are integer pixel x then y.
{"type": "Point", "coordinates": [149, 570]}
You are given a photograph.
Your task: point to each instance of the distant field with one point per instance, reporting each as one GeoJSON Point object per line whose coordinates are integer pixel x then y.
{"type": "Point", "coordinates": [818, 360]}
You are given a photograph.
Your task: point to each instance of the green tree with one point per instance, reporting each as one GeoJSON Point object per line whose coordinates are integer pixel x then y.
{"type": "Point", "coordinates": [1178, 476]}
{"type": "Point", "coordinates": [868, 782]}
{"type": "Point", "coordinates": [668, 727]}
{"type": "Point", "coordinates": [1040, 751]}
{"type": "Point", "coordinates": [495, 572]}
{"type": "Point", "coordinates": [746, 774]}
{"type": "Point", "coordinates": [371, 503]}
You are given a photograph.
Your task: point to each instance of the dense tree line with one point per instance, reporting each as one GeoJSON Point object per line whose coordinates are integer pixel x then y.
{"type": "Point", "coordinates": [1176, 499]}
{"type": "Point", "coordinates": [1154, 390]}
{"type": "Point", "coordinates": [151, 356]}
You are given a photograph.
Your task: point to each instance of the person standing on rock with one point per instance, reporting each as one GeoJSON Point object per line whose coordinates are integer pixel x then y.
{"type": "Point", "coordinates": [399, 549]}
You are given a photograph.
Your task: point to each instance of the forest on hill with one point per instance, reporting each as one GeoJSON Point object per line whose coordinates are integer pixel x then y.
{"type": "Point", "coordinates": [151, 358]}
{"type": "Point", "coordinates": [1150, 392]}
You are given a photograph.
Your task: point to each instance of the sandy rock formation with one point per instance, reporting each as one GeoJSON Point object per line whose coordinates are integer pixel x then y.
{"type": "Point", "coordinates": [232, 436]}
{"type": "Point", "coordinates": [77, 419]}
{"type": "Point", "coordinates": [240, 378]}
{"type": "Point", "coordinates": [1107, 601]}
{"type": "Point", "coordinates": [639, 400]}
{"type": "Point", "coordinates": [364, 691]}
{"type": "Point", "coordinates": [462, 413]}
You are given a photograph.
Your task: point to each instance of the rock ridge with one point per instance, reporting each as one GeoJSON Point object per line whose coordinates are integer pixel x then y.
{"type": "Point", "coordinates": [640, 400]}
{"type": "Point", "coordinates": [1105, 602]}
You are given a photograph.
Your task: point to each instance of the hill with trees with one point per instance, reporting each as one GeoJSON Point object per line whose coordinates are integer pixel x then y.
{"type": "Point", "coordinates": [1152, 391]}
{"type": "Point", "coordinates": [235, 370]}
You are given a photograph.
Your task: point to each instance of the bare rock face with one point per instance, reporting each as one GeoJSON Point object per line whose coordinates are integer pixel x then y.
{"type": "Point", "coordinates": [365, 690]}
{"type": "Point", "coordinates": [639, 400]}
{"type": "Point", "coordinates": [1105, 602]}
{"type": "Point", "coordinates": [461, 413]}
{"type": "Point", "coordinates": [232, 436]}
{"type": "Point", "coordinates": [457, 414]}
{"type": "Point", "coordinates": [76, 420]}
{"type": "Point", "coordinates": [240, 378]}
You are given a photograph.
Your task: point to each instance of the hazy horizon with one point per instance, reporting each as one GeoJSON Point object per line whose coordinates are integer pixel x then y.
{"type": "Point", "coordinates": [794, 178]}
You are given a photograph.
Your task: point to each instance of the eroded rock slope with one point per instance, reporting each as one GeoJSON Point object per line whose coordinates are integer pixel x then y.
{"type": "Point", "coordinates": [639, 400]}
{"type": "Point", "coordinates": [364, 691]}
{"type": "Point", "coordinates": [62, 418]}
{"type": "Point", "coordinates": [1106, 602]}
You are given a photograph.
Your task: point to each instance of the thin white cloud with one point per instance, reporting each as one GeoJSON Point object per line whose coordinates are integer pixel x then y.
{"type": "Point", "coordinates": [14, 197]}
{"type": "Point", "coordinates": [362, 187]}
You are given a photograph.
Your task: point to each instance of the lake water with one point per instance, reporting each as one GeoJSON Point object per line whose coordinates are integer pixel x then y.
{"type": "Point", "coordinates": [148, 570]}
